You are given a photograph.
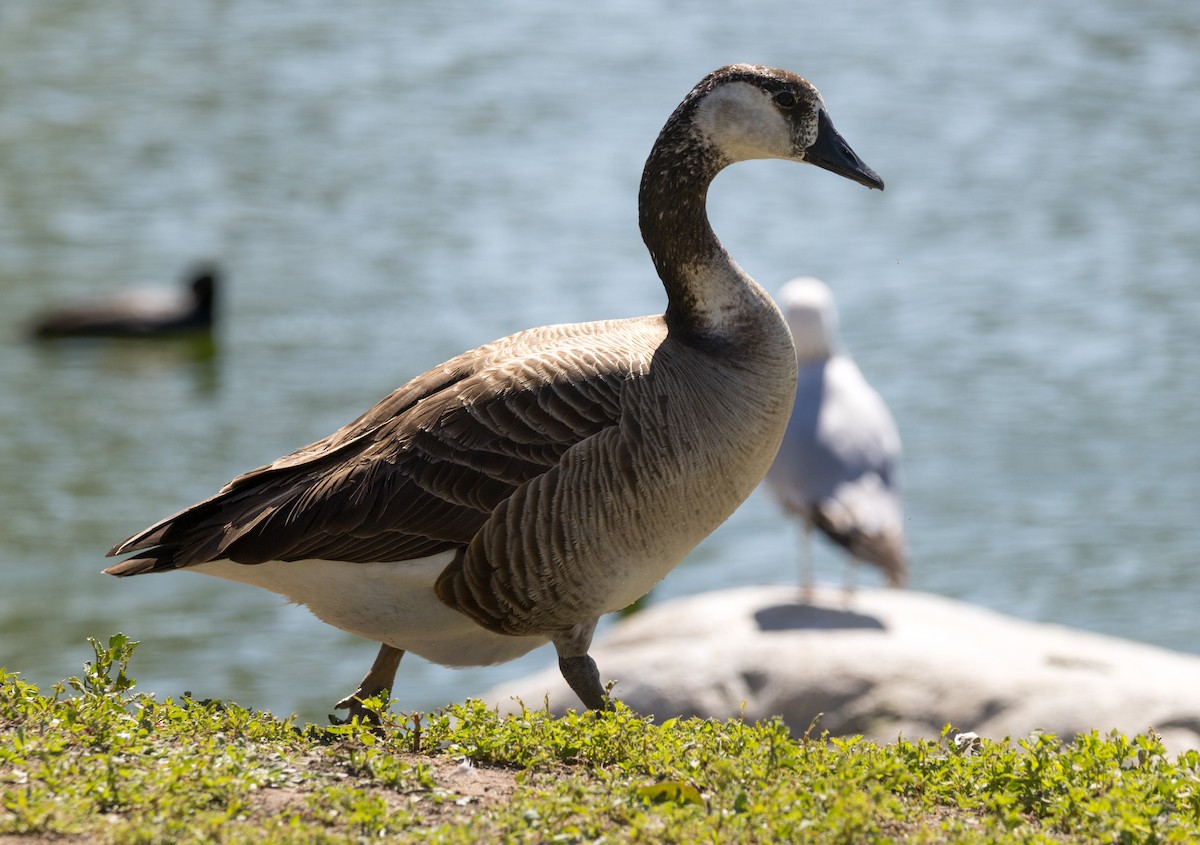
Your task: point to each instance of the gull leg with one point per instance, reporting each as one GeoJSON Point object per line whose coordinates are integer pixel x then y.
{"type": "Point", "coordinates": [377, 683]}
{"type": "Point", "coordinates": [806, 564]}
{"type": "Point", "coordinates": [850, 585]}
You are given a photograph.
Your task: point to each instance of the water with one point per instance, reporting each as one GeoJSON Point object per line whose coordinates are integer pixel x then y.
{"type": "Point", "coordinates": [387, 186]}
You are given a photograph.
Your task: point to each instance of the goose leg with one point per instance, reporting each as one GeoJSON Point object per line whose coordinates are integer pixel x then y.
{"type": "Point", "coordinates": [579, 670]}
{"type": "Point", "coordinates": [583, 677]}
{"type": "Point", "coordinates": [377, 683]}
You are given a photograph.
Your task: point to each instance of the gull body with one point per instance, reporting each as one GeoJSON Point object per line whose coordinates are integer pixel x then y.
{"type": "Point", "coordinates": [838, 465]}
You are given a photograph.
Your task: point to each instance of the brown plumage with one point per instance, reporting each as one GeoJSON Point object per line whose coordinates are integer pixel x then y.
{"type": "Point", "coordinates": [521, 490]}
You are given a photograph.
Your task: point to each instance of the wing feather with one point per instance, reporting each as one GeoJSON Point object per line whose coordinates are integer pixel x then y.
{"type": "Point", "coordinates": [420, 472]}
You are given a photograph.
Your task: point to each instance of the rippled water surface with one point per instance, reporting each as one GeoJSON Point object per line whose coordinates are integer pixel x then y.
{"type": "Point", "coordinates": [388, 184]}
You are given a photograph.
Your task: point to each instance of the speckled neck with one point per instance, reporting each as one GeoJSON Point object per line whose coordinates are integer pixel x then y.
{"type": "Point", "coordinates": [706, 290]}
{"type": "Point", "coordinates": [673, 216]}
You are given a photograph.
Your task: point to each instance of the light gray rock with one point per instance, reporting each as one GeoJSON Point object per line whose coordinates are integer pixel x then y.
{"type": "Point", "coordinates": [881, 663]}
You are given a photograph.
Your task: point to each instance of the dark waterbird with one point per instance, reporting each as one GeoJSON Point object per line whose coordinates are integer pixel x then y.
{"type": "Point", "coordinates": [137, 313]}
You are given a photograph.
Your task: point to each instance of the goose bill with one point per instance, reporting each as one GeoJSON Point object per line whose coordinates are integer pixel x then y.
{"type": "Point", "coordinates": [831, 152]}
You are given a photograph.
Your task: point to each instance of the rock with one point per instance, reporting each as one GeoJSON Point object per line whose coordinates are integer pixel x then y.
{"type": "Point", "coordinates": [881, 663]}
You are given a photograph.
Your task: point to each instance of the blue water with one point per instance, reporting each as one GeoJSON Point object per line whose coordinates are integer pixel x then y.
{"type": "Point", "coordinates": [387, 185]}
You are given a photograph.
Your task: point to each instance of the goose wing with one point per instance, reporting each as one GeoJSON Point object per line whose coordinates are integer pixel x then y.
{"type": "Point", "coordinates": [419, 473]}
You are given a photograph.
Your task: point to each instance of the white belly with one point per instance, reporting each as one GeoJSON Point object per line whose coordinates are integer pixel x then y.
{"type": "Point", "coordinates": [391, 603]}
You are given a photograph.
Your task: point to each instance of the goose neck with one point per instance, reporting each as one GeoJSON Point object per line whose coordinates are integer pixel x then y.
{"type": "Point", "coordinates": [708, 295]}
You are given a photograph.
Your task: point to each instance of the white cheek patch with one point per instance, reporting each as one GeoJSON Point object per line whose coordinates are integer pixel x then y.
{"type": "Point", "coordinates": [740, 120]}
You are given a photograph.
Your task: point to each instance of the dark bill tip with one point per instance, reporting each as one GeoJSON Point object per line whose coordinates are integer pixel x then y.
{"type": "Point", "coordinates": [831, 152]}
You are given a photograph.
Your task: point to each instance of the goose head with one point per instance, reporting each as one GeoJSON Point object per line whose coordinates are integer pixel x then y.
{"type": "Point", "coordinates": [736, 113]}
{"type": "Point", "coordinates": [749, 112]}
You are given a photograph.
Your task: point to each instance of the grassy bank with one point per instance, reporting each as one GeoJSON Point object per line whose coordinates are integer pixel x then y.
{"type": "Point", "coordinates": [92, 760]}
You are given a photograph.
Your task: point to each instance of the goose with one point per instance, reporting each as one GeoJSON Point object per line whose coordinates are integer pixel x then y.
{"type": "Point", "coordinates": [836, 470]}
{"type": "Point", "coordinates": [518, 492]}
{"type": "Point", "coordinates": [137, 313]}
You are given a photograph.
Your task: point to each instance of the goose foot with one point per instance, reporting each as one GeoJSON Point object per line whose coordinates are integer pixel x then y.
{"type": "Point", "coordinates": [583, 677]}
{"type": "Point", "coordinates": [377, 684]}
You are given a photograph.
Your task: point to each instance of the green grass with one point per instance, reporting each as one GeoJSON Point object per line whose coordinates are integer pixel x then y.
{"type": "Point", "coordinates": [95, 761]}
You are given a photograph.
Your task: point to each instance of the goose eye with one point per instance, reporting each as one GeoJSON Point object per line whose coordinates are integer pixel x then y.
{"type": "Point", "coordinates": [785, 99]}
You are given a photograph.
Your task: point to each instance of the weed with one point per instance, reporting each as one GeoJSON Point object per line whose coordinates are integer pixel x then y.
{"type": "Point", "coordinates": [109, 763]}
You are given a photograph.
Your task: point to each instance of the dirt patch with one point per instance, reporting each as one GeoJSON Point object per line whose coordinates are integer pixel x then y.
{"type": "Point", "coordinates": [461, 790]}
{"type": "Point", "coordinates": [478, 784]}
